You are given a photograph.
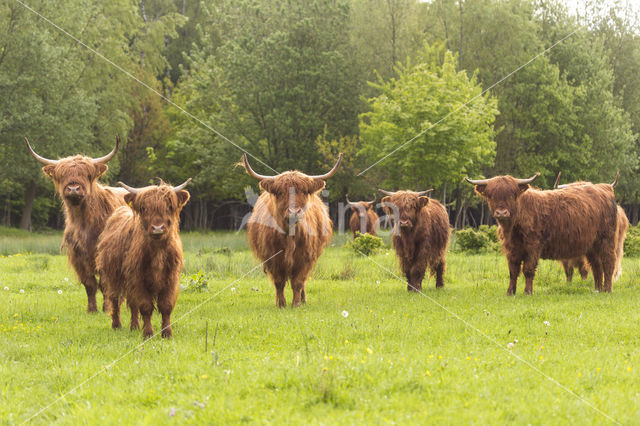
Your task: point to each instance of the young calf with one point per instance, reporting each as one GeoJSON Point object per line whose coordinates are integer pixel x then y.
{"type": "Point", "coordinates": [420, 235]}
{"type": "Point", "coordinates": [364, 219]}
{"type": "Point", "coordinates": [140, 255]}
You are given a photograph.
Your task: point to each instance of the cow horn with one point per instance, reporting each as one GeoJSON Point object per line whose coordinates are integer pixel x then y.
{"type": "Point", "coordinates": [348, 202]}
{"type": "Point", "coordinates": [386, 192]}
{"type": "Point", "coordinates": [615, 182]}
{"type": "Point", "coordinates": [528, 180]}
{"type": "Point", "coordinates": [110, 155]}
{"type": "Point", "coordinates": [249, 170]}
{"type": "Point", "coordinates": [373, 201]}
{"type": "Point", "coordinates": [555, 185]}
{"type": "Point", "coordinates": [564, 185]}
{"type": "Point", "coordinates": [41, 159]}
{"type": "Point", "coordinates": [477, 181]}
{"type": "Point", "coordinates": [128, 188]}
{"type": "Point", "coordinates": [424, 192]}
{"type": "Point", "coordinates": [331, 172]}
{"type": "Point", "coordinates": [182, 186]}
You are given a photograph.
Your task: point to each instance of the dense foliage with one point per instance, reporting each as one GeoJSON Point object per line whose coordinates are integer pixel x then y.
{"type": "Point", "coordinates": [479, 87]}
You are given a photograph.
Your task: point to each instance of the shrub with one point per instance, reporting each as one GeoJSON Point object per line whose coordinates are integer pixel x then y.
{"type": "Point", "coordinates": [483, 240]}
{"type": "Point", "coordinates": [366, 244]}
{"type": "Point", "coordinates": [632, 242]}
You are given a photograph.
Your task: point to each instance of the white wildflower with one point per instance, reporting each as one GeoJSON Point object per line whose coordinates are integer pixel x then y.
{"type": "Point", "coordinates": [345, 314]}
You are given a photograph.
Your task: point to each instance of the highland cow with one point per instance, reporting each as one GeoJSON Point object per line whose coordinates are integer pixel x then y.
{"type": "Point", "coordinates": [364, 218]}
{"type": "Point", "coordinates": [554, 224]}
{"type": "Point", "coordinates": [140, 255]}
{"type": "Point", "coordinates": [581, 262]}
{"type": "Point", "coordinates": [289, 227]}
{"type": "Point", "coordinates": [420, 235]}
{"type": "Point", "coordinates": [87, 206]}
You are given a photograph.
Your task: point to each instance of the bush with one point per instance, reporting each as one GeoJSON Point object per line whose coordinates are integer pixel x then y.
{"type": "Point", "coordinates": [482, 240]}
{"type": "Point", "coordinates": [632, 242]}
{"type": "Point", "coordinates": [366, 244]}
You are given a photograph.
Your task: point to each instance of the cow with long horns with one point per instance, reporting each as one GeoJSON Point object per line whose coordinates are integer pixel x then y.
{"type": "Point", "coordinates": [364, 218]}
{"type": "Point", "coordinates": [87, 206]}
{"type": "Point", "coordinates": [621, 233]}
{"type": "Point", "coordinates": [420, 235]}
{"type": "Point", "coordinates": [553, 224]}
{"type": "Point", "coordinates": [289, 227]}
{"type": "Point", "coordinates": [140, 255]}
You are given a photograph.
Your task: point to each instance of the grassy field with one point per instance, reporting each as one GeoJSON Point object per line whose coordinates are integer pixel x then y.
{"type": "Point", "coordinates": [362, 350]}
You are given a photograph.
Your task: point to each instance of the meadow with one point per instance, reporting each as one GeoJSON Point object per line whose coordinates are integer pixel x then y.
{"type": "Point", "coordinates": [362, 350]}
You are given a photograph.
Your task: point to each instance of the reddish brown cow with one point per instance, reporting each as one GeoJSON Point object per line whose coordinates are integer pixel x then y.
{"type": "Point", "coordinates": [87, 206]}
{"type": "Point", "coordinates": [581, 262]}
{"type": "Point", "coordinates": [289, 228]}
{"type": "Point", "coordinates": [554, 224]}
{"type": "Point", "coordinates": [364, 219]}
{"type": "Point", "coordinates": [420, 235]}
{"type": "Point", "coordinates": [140, 255]}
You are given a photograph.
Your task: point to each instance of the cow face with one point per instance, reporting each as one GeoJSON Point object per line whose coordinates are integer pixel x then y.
{"type": "Point", "coordinates": [291, 192]}
{"type": "Point", "coordinates": [404, 206]}
{"type": "Point", "coordinates": [75, 177]}
{"type": "Point", "coordinates": [502, 194]}
{"type": "Point", "coordinates": [158, 209]}
{"type": "Point", "coordinates": [361, 208]}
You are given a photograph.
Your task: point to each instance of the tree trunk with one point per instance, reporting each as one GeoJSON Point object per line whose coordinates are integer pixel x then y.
{"type": "Point", "coordinates": [634, 214]}
{"type": "Point", "coordinates": [30, 196]}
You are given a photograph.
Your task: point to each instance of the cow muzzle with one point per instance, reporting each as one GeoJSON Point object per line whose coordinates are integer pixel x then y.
{"type": "Point", "coordinates": [295, 213]}
{"type": "Point", "coordinates": [501, 214]}
{"type": "Point", "coordinates": [404, 223]}
{"type": "Point", "coordinates": [158, 231]}
{"type": "Point", "coordinates": [74, 193]}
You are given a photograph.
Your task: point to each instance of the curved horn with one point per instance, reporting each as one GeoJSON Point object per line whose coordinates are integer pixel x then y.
{"type": "Point", "coordinates": [249, 170]}
{"type": "Point", "coordinates": [181, 186]}
{"type": "Point", "coordinates": [529, 180]}
{"type": "Point", "coordinates": [555, 185]}
{"type": "Point", "coordinates": [373, 201]}
{"type": "Point", "coordinates": [331, 172]}
{"type": "Point", "coordinates": [424, 192]}
{"type": "Point", "coordinates": [128, 188]}
{"type": "Point", "coordinates": [386, 192]}
{"type": "Point", "coordinates": [348, 202]}
{"type": "Point", "coordinates": [477, 181]}
{"type": "Point", "coordinates": [110, 155]}
{"type": "Point", "coordinates": [615, 182]}
{"type": "Point", "coordinates": [42, 160]}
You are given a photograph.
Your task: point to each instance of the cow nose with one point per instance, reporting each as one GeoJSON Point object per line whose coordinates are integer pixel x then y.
{"type": "Point", "coordinates": [295, 211]}
{"type": "Point", "coordinates": [404, 222]}
{"type": "Point", "coordinates": [157, 229]}
{"type": "Point", "coordinates": [501, 213]}
{"type": "Point", "coordinates": [74, 189]}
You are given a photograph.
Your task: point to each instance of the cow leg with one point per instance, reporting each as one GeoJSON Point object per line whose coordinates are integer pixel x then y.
{"type": "Point", "coordinates": [529, 269]}
{"type": "Point", "coordinates": [439, 269]}
{"type": "Point", "coordinates": [165, 307]}
{"type": "Point", "coordinates": [303, 295]}
{"type": "Point", "coordinates": [297, 293]}
{"type": "Point", "coordinates": [608, 265]}
{"type": "Point", "coordinates": [91, 287]}
{"type": "Point", "coordinates": [146, 309]}
{"type": "Point", "coordinates": [106, 302]}
{"type": "Point", "coordinates": [417, 275]}
{"type": "Point", "coordinates": [514, 273]}
{"type": "Point", "coordinates": [135, 316]}
{"type": "Point", "coordinates": [281, 302]}
{"type": "Point", "coordinates": [115, 311]}
{"type": "Point", "coordinates": [568, 270]}
{"type": "Point", "coordinates": [584, 270]}
{"type": "Point", "coordinates": [596, 269]}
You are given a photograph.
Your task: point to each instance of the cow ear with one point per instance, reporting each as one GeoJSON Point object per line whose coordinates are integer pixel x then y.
{"type": "Point", "coordinates": [480, 189]}
{"type": "Point", "coordinates": [370, 205]}
{"type": "Point", "coordinates": [129, 198]}
{"type": "Point", "coordinates": [48, 170]}
{"type": "Point", "coordinates": [316, 185]}
{"type": "Point", "coordinates": [101, 169]}
{"type": "Point", "coordinates": [523, 187]}
{"type": "Point", "coordinates": [385, 201]}
{"type": "Point", "coordinates": [266, 185]}
{"type": "Point", "coordinates": [183, 197]}
{"type": "Point", "coordinates": [423, 201]}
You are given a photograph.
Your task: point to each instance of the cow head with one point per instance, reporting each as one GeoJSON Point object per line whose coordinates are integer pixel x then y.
{"type": "Point", "coordinates": [157, 207]}
{"type": "Point", "coordinates": [501, 193]}
{"type": "Point", "coordinates": [291, 191]}
{"type": "Point", "coordinates": [361, 208]}
{"type": "Point", "coordinates": [404, 206]}
{"type": "Point", "coordinates": [74, 177]}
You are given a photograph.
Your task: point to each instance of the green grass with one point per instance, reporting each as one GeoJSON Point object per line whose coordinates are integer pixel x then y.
{"type": "Point", "coordinates": [396, 358]}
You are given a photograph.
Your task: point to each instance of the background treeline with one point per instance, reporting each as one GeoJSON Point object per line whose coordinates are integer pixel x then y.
{"type": "Point", "coordinates": [294, 82]}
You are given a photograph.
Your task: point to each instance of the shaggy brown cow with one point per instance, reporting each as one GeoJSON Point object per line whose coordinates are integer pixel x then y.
{"type": "Point", "coordinates": [581, 262]}
{"type": "Point", "coordinates": [420, 235]}
{"type": "Point", "coordinates": [554, 224]}
{"type": "Point", "coordinates": [87, 206]}
{"type": "Point", "coordinates": [289, 227]}
{"type": "Point", "coordinates": [364, 219]}
{"type": "Point", "coordinates": [140, 255]}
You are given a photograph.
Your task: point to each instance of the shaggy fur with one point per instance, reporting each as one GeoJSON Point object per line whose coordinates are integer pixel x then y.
{"type": "Point", "coordinates": [420, 236]}
{"type": "Point", "coordinates": [557, 224]}
{"type": "Point", "coordinates": [289, 216]}
{"type": "Point", "coordinates": [364, 219]}
{"type": "Point", "coordinates": [87, 206]}
{"type": "Point", "coordinates": [139, 264]}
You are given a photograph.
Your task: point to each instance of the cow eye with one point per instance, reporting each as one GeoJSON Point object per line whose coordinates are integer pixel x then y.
{"type": "Point", "coordinates": [170, 208]}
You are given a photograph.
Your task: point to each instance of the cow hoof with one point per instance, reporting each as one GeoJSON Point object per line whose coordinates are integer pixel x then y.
{"type": "Point", "coordinates": [167, 334]}
{"type": "Point", "coordinates": [92, 309]}
{"type": "Point", "coordinates": [134, 327]}
{"type": "Point", "coordinates": [147, 334]}
{"type": "Point", "coordinates": [116, 325]}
